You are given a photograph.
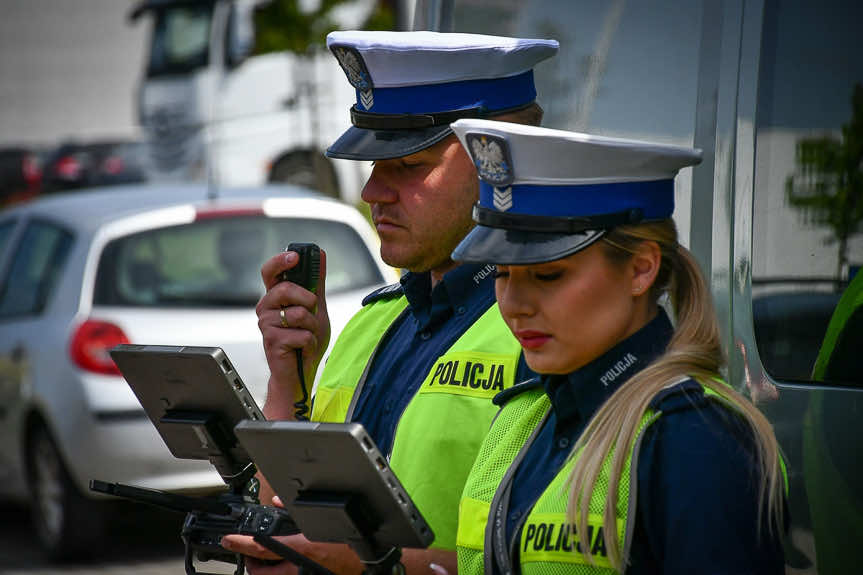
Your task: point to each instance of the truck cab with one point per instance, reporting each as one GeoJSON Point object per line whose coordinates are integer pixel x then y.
{"type": "Point", "coordinates": [210, 109]}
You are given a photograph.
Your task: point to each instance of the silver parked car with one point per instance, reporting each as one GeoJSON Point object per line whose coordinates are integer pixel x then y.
{"type": "Point", "coordinates": [82, 272]}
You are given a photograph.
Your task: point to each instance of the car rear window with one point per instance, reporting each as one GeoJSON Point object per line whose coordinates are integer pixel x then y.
{"type": "Point", "coordinates": [217, 261]}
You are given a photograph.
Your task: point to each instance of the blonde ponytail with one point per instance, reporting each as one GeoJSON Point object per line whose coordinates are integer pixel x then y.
{"type": "Point", "coordinates": [695, 351]}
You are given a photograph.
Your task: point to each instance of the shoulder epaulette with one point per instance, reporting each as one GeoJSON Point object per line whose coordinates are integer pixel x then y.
{"type": "Point", "coordinates": [386, 292]}
{"type": "Point", "coordinates": [684, 394]}
{"type": "Point", "coordinates": [516, 389]}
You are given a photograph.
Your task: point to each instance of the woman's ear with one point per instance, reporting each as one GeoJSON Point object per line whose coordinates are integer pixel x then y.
{"type": "Point", "coordinates": [644, 266]}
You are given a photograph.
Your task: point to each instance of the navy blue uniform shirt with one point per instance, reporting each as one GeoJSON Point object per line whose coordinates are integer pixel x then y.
{"type": "Point", "coordinates": [696, 498]}
{"type": "Point", "coordinates": [434, 320]}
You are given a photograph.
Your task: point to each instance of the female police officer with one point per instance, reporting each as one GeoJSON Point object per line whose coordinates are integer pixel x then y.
{"type": "Point", "coordinates": [629, 453]}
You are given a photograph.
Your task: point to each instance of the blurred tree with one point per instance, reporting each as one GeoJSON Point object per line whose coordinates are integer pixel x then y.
{"type": "Point", "coordinates": [828, 188]}
{"type": "Point", "coordinates": [284, 24]}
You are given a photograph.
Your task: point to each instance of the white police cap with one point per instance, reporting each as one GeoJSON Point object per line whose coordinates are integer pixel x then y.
{"type": "Point", "coordinates": [546, 194]}
{"type": "Point", "coordinates": [412, 85]}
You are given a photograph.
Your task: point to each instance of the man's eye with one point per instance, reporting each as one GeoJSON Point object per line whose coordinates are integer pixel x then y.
{"type": "Point", "coordinates": [549, 277]}
{"type": "Point", "coordinates": [499, 274]}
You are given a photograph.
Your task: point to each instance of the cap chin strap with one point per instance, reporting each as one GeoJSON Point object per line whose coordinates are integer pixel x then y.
{"type": "Point", "coordinates": [371, 121]}
{"type": "Point", "coordinates": [551, 224]}
{"type": "Point", "coordinates": [409, 121]}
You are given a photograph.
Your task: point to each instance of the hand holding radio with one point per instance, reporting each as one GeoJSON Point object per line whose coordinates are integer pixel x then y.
{"type": "Point", "coordinates": [291, 318]}
{"type": "Point", "coordinates": [307, 272]}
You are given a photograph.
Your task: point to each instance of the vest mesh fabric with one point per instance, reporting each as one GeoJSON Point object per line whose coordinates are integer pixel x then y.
{"type": "Point", "coordinates": [349, 357]}
{"type": "Point", "coordinates": [511, 429]}
{"type": "Point", "coordinates": [553, 555]}
{"type": "Point", "coordinates": [514, 424]}
{"type": "Point", "coordinates": [441, 429]}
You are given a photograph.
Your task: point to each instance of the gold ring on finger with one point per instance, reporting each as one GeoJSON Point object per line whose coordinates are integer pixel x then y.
{"type": "Point", "coordinates": [283, 318]}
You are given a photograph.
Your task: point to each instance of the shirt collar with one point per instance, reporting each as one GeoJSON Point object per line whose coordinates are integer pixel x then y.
{"type": "Point", "coordinates": [579, 394]}
{"type": "Point", "coordinates": [461, 287]}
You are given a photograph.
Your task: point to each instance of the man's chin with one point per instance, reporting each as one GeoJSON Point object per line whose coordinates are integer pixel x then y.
{"type": "Point", "coordinates": [397, 256]}
{"type": "Point", "coordinates": [411, 261]}
{"type": "Point", "coordinates": [404, 263]}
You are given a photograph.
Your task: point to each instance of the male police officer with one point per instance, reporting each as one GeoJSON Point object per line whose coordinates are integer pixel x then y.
{"type": "Point", "coordinates": [419, 364]}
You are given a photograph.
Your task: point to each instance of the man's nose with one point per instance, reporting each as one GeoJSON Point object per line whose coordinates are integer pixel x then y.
{"type": "Point", "coordinates": [380, 188]}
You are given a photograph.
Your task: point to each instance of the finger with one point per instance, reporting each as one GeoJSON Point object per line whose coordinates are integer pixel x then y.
{"type": "Point", "coordinates": [281, 342]}
{"type": "Point", "coordinates": [293, 317]}
{"type": "Point", "coordinates": [289, 293]}
{"type": "Point", "coordinates": [277, 501]}
{"type": "Point", "coordinates": [286, 294]}
{"type": "Point", "coordinates": [246, 545]}
{"type": "Point", "coordinates": [273, 267]}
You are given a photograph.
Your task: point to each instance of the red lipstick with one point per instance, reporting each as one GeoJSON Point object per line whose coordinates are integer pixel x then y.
{"type": "Point", "coordinates": [530, 339]}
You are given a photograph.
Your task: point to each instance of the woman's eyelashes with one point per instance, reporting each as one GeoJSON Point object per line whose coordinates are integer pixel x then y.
{"type": "Point", "coordinates": [544, 276]}
{"type": "Point", "coordinates": [549, 276]}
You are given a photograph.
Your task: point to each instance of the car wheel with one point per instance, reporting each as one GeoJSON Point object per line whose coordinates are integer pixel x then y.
{"type": "Point", "coordinates": [68, 524]}
{"type": "Point", "coordinates": [307, 169]}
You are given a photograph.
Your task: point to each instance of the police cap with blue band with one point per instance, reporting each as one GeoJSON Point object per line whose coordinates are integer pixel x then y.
{"type": "Point", "coordinates": [546, 194]}
{"type": "Point", "coordinates": [411, 85]}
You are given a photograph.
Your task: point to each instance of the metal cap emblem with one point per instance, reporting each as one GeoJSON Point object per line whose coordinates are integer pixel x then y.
{"type": "Point", "coordinates": [358, 75]}
{"type": "Point", "coordinates": [491, 158]}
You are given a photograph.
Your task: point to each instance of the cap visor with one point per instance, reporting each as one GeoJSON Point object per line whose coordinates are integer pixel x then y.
{"type": "Point", "coordinates": [511, 247]}
{"type": "Point", "coordinates": [364, 144]}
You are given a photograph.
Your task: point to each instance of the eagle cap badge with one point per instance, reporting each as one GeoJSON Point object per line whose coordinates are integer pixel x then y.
{"type": "Point", "coordinates": [492, 159]}
{"type": "Point", "coordinates": [355, 69]}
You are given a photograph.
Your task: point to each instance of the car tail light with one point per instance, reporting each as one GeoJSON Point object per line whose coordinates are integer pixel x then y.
{"type": "Point", "coordinates": [112, 165]}
{"type": "Point", "coordinates": [32, 171]}
{"type": "Point", "coordinates": [90, 344]}
{"type": "Point", "coordinates": [69, 167]}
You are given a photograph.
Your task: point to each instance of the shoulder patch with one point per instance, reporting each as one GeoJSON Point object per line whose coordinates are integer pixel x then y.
{"type": "Point", "coordinates": [520, 387]}
{"type": "Point", "coordinates": [387, 292]}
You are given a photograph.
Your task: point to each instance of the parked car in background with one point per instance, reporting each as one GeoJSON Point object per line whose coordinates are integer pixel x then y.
{"type": "Point", "coordinates": [75, 165]}
{"type": "Point", "coordinates": [20, 174]}
{"type": "Point", "coordinates": [80, 273]}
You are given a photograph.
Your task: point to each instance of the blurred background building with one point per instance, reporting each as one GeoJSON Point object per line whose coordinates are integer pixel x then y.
{"type": "Point", "coordinates": [68, 70]}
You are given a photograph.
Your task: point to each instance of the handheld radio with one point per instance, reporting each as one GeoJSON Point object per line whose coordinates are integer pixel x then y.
{"type": "Point", "coordinates": [308, 270]}
{"type": "Point", "coordinates": [306, 273]}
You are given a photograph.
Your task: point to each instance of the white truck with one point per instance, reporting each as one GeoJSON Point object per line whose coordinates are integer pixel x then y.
{"type": "Point", "coordinates": [210, 110]}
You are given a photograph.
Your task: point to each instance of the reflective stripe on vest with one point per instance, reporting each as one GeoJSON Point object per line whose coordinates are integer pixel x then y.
{"type": "Point", "coordinates": [548, 538]}
{"type": "Point", "coordinates": [443, 425]}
